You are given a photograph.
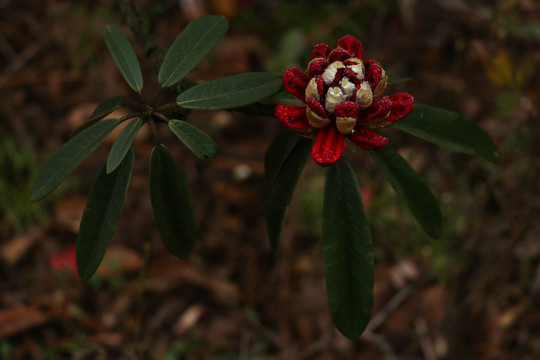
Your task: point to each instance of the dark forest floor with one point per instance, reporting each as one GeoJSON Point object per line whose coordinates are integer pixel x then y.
{"type": "Point", "coordinates": [474, 294]}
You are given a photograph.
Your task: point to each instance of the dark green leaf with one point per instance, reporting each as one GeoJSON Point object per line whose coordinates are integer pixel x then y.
{"type": "Point", "coordinates": [124, 56]}
{"type": "Point", "coordinates": [195, 139]}
{"type": "Point", "coordinates": [122, 144]}
{"type": "Point", "coordinates": [101, 216]}
{"type": "Point", "coordinates": [67, 157]}
{"type": "Point", "coordinates": [102, 110]}
{"type": "Point", "coordinates": [348, 253]}
{"type": "Point", "coordinates": [283, 190]}
{"type": "Point", "coordinates": [450, 131]}
{"type": "Point", "coordinates": [278, 152]}
{"type": "Point", "coordinates": [190, 47]}
{"type": "Point", "coordinates": [231, 91]}
{"type": "Point", "coordinates": [411, 188]}
{"type": "Point", "coordinates": [170, 201]}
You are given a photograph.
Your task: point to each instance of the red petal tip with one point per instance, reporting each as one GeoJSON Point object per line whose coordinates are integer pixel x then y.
{"type": "Point", "coordinates": [296, 81]}
{"type": "Point", "coordinates": [352, 45]}
{"type": "Point", "coordinates": [328, 146]}
{"type": "Point", "coordinates": [293, 117]}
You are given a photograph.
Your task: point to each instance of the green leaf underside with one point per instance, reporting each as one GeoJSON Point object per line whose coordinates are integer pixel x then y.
{"type": "Point", "coordinates": [190, 47]}
{"type": "Point", "coordinates": [102, 110]}
{"type": "Point", "coordinates": [347, 250]}
{"type": "Point", "coordinates": [229, 92]}
{"type": "Point", "coordinates": [124, 57]}
{"type": "Point", "coordinates": [277, 153]}
{"type": "Point", "coordinates": [171, 204]}
{"type": "Point", "coordinates": [122, 144]}
{"type": "Point", "coordinates": [68, 156]}
{"type": "Point", "coordinates": [411, 188]}
{"type": "Point", "coordinates": [450, 131]}
{"type": "Point", "coordinates": [101, 216]}
{"type": "Point", "coordinates": [195, 139]}
{"type": "Point", "coordinates": [283, 190]}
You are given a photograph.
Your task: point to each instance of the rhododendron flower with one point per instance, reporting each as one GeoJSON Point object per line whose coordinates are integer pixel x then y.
{"type": "Point", "coordinates": [343, 94]}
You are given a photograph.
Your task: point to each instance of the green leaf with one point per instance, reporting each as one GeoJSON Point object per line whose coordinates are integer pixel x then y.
{"type": "Point", "coordinates": [101, 216]}
{"type": "Point", "coordinates": [102, 110]}
{"type": "Point", "coordinates": [449, 130]}
{"type": "Point", "coordinates": [122, 145]}
{"type": "Point", "coordinates": [411, 188]}
{"type": "Point", "coordinates": [68, 156]}
{"type": "Point", "coordinates": [231, 91]}
{"type": "Point", "coordinates": [124, 56]}
{"type": "Point", "coordinates": [170, 201]}
{"type": "Point", "coordinates": [278, 151]}
{"type": "Point", "coordinates": [283, 190]}
{"type": "Point", "coordinates": [190, 47]}
{"type": "Point", "coordinates": [347, 250]}
{"type": "Point", "coordinates": [195, 139]}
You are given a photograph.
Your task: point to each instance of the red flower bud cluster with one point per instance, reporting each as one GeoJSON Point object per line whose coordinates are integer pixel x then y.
{"type": "Point", "coordinates": [344, 98]}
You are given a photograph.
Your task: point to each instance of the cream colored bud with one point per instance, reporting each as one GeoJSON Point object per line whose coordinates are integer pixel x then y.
{"type": "Point", "coordinates": [348, 87]}
{"type": "Point", "coordinates": [355, 60]}
{"type": "Point", "coordinates": [334, 97]}
{"type": "Point", "coordinates": [358, 69]}
{"type": "Point", "coordinates": [312, 91]}
{"type": "Point", "coordinates": [330, 73]}
{"type": "Point", "coordinates": [364, 95]}
{"type": "Point", "coordinates": [315, 120]}
{"type": "Point", "coordinates": [380, 86]}
{"type": "Point", "coordinates": [345, 125]}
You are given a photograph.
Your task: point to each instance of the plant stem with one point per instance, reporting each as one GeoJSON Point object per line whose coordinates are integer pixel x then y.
{"type": "Point", "coordinates": [152, 49]}
{"type": "Point", "coordinates": [155, 134]}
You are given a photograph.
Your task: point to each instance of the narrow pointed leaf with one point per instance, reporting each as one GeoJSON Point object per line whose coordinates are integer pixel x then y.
{"type": "Point", "coordinates": [450, 131]}
{"type": "Point", "coordinates": [102, 110]}
{"type": "Point", "coordinates": [347, 250]}
{"type": "Point", "coordinates": [411, 188]}
{"type": "Point", "coordinates": [124, 56]}
{"type": "Point", "coordinates": [278, 151]}
{"type": "Point", "coordinates": [171, 204]}
{"type": "Point", "coordinates": [122, 144]}
{"type": "Point", "coordinates": [232, 91]}
{"type": "Point", "coordinates": [195, 139]}
{"type": "Point", "coordinates": [190, 47]}
{"type": "Point", "coordinates": [68, 156]}
{"type": "Point", "coordinates": [283, 190]}
{"type": "Point", "coordinates": [101, 216]}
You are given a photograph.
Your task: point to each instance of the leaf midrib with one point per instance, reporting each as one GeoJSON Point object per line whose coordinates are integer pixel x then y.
{"type": "Point", "coordinates": [165, 83]}
{"type": "Point", "coordinates": [229, 93]}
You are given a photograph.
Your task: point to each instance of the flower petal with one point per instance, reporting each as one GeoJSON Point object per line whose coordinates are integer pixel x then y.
{"type": "Point", "coordinates": [338, 55]}
{"type": "Point", "coordinates": [402, 105]}
{"type": "Point", "coordinates": [347, 109]}
{"type": "Point", "coordinates": [352, 45]}
{"type": "Point", "coordinates": [293, 117]}
{"type": "Point", "coordinates": [374, 73]}
{"type": "Point", "coordinates": [377, 111]}
{"type": "Point", "coordinates": [317, 107]}
{"type": "Point", "coordinates": [346, 114]}
{"type": "Point", "coordinates": [296, 81]}
{"type": "Point", "coordinates": [317, 66]}
{"type": "Point", "coordinates": [315, 89]}
{"type": "Point", "coordinates": [328, 146]}
{"type": "Point", "coordinates": [367, 139]}
{"type": "Point", "coordinates": [320, 50]}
